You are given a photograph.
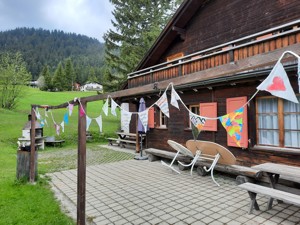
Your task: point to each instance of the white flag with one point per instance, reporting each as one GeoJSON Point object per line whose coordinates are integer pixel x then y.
{"type": "Point", "coordinates": [278, 84]}
{"type": "Point", "coordinates": [70, 106]}
{"type": "Point", "coordinates": [105, 107]}
{"type": "Point", "coordinates": [62, 126]}
{"type": "Point", "coordinates": [162, 103]}
{"type": "Point", "coordinates": [99, 121]}
{"type": "Point", "coordinates": [125, 119]}
{"type": "Point", "coordinates": [174, 98]}
{"type": "Point", "coordinates": [144, 118]}
{"type": "Point", "coordinates": [113, 107]}
{"type": "Point", "coordinates": [88, 122]}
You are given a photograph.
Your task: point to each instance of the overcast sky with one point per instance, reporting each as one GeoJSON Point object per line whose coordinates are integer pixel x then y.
{"type": "Point", "coordinates": [87, 17]}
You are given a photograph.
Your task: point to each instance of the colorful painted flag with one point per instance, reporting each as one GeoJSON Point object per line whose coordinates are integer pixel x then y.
{"type": "Point", "coordinates": [105, 107]}
{"type": "Point", "coordinates": [144, 118]}
{"type": "Point", "coordinates": [278, 84]}
{"type": "Point", "coordinates": [66, 118]}
{"type": "Point", "coordinates": [88, 122]}
{"type": "Point", "coordinates": [197, 123]}
{"type": "Point", "coordinates": [81, 111]}
{"type": "Point", "coordinates": [70, 106]}
{"type": "Point", "coordinates": [162, 103]}
{"type": "Point", "coordinates": [125, 119]}
{"type": "Point", "coordinates": [99, 122]}
{"type": "Point", "coordinates": [233, 124]}
{"type": "Point", "coordinates": [174, 98]}
{"type": "Point", "coordinates": [113, 107]}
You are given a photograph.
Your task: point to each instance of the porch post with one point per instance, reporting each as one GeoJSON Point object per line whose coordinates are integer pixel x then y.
{"type": "Point", "coordinates": [81, 169]}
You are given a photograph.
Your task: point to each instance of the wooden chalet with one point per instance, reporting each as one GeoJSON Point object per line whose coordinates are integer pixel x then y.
{"type": "Point", "coordinates": [216, 52]}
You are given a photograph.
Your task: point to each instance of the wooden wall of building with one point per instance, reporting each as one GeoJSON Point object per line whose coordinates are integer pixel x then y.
{"type": "Point", "coordinates": [177, 128]}
{"type": "Point", "coordinates": [221, 21]}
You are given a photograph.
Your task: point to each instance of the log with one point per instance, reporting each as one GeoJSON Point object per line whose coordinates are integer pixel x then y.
{"type": "Point", "coordinates": [23, 165]}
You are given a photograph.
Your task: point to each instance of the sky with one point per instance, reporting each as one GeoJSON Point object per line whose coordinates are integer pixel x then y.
{"type": "Point", "coordinates": [87, 17]}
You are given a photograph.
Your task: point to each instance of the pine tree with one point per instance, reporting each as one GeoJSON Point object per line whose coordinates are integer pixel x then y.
{"type": "Point", "coordinates": [47, 79]}
{"type": "Point", "coordinates": [69, 75]}
{"type": "Point", "coordinates": [137, 25]}
{"type": "Point", "coordinates": [59, 80]}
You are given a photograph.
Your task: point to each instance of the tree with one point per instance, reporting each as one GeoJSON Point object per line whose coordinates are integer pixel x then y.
{"type": "Point", "coordinates": [137, 25]}
{"type": "Point", "coordinates": [13, 77]}
{"type": "Point", "coordinates": [47, 79]}
{"type": "Point", "coordinates": [69, 75]}
{"type": "Point", "coordinates": [59, 81]}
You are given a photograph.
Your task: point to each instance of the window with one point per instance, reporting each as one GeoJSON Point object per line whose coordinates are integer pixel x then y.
{"type": "Point", "coordinates": [278, 122]}
{"type": "Point", "coordinates": [162, 120]}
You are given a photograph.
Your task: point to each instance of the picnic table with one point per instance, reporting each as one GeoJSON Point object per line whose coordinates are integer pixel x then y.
{"type": "Point", "coordinates": [124, 138]}
{"type": "Point", "coordinates": [273, 172]}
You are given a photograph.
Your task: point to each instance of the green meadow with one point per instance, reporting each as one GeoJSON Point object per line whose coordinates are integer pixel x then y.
{"type": "Point", "coordinates": [24, 203]}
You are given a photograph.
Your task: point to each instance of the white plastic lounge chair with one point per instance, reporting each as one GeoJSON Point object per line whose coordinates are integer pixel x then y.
{"type": "Point", "coordinates": [180, 149]}
{"type": "Point", "coordinates": [198, 156]}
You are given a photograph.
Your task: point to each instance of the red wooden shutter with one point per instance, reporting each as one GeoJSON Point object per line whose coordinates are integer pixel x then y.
{"type": "Point", "coordinates": [209, 110]}
{"type": "Point", "coordinates": [151, 117]}
{"type": "Point", "coordinates": [233, 104]}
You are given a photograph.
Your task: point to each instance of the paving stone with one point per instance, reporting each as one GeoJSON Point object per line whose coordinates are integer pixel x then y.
{"type": "Point", "coordinates": [142, 192]}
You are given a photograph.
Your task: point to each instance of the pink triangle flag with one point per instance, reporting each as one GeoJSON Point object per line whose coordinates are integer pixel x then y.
{"type": "Point", "coordinates": [278, 84]}
{"type": "Point", "coordinates": [82, 113]}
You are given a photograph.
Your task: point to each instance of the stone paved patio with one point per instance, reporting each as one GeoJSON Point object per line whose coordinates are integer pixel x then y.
{"type": "Point", "coordinates": [142, 192]}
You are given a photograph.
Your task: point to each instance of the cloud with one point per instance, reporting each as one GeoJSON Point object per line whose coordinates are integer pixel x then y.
{"type": "Point", "coordinates": [87, 17]}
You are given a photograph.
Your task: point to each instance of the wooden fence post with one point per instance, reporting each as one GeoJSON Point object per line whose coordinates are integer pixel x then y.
{"type": "Point", "coordinates": [32, 147]}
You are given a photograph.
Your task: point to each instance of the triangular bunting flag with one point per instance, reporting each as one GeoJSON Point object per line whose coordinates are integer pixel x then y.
{"type": "Point", "coordinates": [105, 107]}
{"type": "Point", "coordinates": [125, 119]}
{"type": "Point", "coordinates": [233, 124]}
{"type": "Point", "coordinates": [99, 122]}
{"type": "Point", "coordinates": [88, 122]}
{"type": "Point", "coordinates": [70, 106]}
{"type": "Point", "coordinates": [174, 98]}
{"type": "Point", "coordinates": [62, 124]}
{"type": "Point", "coordinates": [42, 123]}
{"type": "Point", "coordinates": [197, 123]}
{"type": "Point", "coordinates": [57, 129]}
{"type": "Point", "coordinates": [113, 107]}
{"type": "Point", "coordinates": [81, 112]}
{"type": "Point", "coordinates": [162, 103]}
{"type": "Point", "coordinates": [66, 118]}
{"type": "Point", "coordinates": [278, 84]}
{"type": "Point", "coordinates": [144, 118]}
{"type": "Point", "coordinates": [46, 112]}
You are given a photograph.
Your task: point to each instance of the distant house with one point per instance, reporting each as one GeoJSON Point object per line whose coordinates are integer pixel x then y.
{"type": "Point", "coordinates": [216, 53]}
{"type": "Point", "coordinates": [92, 87]}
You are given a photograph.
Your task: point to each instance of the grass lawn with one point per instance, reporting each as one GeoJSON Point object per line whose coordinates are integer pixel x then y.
{"type": "Point", "coordinates": [23, 203]}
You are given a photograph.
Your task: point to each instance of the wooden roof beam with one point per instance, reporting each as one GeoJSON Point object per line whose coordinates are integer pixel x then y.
{"type": "Point", "coordinates": [180, 31]}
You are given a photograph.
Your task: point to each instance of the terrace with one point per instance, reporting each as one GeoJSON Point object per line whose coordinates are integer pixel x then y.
{"type": "Point", "coordinates": [268, 41]}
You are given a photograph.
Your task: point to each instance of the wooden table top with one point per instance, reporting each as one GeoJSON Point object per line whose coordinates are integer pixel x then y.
{"type": "Point", "coordinates": [285, 170]}
{"type": "Point", "coordinates": [127, 134]}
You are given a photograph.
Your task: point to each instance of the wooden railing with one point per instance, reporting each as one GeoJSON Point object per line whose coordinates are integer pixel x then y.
{"type": "Point", "coordinates": [262, 42]}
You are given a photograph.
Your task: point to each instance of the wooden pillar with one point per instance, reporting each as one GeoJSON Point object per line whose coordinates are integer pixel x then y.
{"type": "Point", "coordinates": [32, 147]}
{"type": "Point", "coordinates": [81, 170]}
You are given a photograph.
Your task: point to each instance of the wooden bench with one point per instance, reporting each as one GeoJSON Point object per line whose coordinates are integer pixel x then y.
{"type": "Point", "coordinates": [254, 189]}
{"type": "Point", "coordinates": [120, 142]}
{"type": "Point", "coordinates": [111, 141]}
{"type": "Point", "coordinates": [155, 154]}
{"type": "Point", "coordinates": [51, 141]}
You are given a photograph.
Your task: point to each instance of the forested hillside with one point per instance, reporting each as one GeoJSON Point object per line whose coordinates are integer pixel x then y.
{"type": "Point", "coordinates": [41, 47]}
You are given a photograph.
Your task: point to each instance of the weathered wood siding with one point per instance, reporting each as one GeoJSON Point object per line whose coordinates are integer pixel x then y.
{"type": "Point", "coordinates": [221, 21]}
